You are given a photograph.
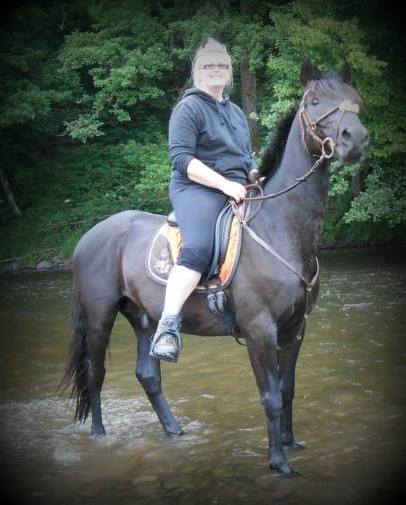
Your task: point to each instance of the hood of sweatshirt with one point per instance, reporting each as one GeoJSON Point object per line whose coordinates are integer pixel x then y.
{"type": "Point", "coordinates": [222, 107]}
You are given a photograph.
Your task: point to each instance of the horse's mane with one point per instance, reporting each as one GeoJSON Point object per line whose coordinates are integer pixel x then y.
{"type": "Point", "coordinates": [274, 150]}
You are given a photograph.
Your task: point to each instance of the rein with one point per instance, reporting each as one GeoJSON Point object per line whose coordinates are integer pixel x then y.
{"type": "Point", "coordinates": [325, 155]}
{"type": "Point", "coordinates": [246, 218]}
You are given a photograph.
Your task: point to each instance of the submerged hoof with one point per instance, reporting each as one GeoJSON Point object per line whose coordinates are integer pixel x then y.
{"type": "Point", "coordinates": [295, 446]}
{"type": "Point", "coordinates": [173, 434]}
{"type": "Point", "coordinates": [97, 431]}
{"type": "Point", "coordinates": [284, 469]}
{"type": "Point", "coordinates": [291, 474]}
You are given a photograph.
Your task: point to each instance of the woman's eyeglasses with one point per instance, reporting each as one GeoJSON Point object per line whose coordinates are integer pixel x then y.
{"type": "Point", "coordinates": [212, 66]}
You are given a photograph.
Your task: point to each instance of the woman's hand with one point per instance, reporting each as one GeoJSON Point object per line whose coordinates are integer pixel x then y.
{"type": "Point", "coordinates": [197, 171]}
{"type": "Point", "coordinates": [234, 189]}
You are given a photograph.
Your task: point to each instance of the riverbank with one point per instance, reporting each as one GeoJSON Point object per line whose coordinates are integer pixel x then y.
{"type": "Point", "coordinates": [50, 264]}
{"type": "Point", "coordinates": [57, 263]}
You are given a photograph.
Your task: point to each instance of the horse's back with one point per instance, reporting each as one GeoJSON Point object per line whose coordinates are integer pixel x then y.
{"type": "Point", "coordinates": [110, 230]}
{"type": "Point", "coordinates": [98, 252]}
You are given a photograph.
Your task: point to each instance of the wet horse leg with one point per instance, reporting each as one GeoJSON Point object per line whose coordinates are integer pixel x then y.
{"type": "Point", "coordinates": [262, 348]}
{"type": "Point", "coordinates": [148, 372]}
{"type": "Point", "coordinates": [287, 358]}
{"type": "Point", "coordinates": [99, 325]}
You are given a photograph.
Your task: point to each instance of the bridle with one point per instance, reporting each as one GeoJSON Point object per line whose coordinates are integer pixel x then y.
{"type": "Point", "coordinates": [308, 128]}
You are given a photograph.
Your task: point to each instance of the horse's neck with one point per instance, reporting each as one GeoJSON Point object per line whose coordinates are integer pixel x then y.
{"type": "Point", "coordinates": [297, 217]}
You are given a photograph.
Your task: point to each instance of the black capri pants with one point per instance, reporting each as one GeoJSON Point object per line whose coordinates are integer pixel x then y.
{"type": "Point", "coordinates": [196, 208]}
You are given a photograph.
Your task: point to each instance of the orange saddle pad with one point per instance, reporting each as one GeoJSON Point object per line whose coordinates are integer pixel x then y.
{"type": "Point", "coordinates": [164, 251]}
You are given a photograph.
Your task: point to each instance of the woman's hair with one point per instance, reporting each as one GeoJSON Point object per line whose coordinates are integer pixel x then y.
{"type": "Point", "coordinates": [211, 46]}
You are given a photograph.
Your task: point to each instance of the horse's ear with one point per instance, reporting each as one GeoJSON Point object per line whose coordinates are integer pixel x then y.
{"type": "Point", "coordinates": [309, 72]}
{"type": "Point", "coordinates": [345, 73]}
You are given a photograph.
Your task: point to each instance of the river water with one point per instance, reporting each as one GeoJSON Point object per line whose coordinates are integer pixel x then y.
{"type": "Point", "coordinates": [349, 409]}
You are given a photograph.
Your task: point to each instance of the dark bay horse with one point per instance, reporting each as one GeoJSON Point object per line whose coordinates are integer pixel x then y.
{"type": "Point", "coordinates": [269, 299]}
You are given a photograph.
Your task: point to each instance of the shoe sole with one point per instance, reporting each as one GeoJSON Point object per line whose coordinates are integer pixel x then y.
{"type": "Point", "coordinates": [163, 357]}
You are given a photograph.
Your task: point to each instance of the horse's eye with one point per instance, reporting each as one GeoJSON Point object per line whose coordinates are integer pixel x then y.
{"type": "Point", "coordinates": [315, 101]}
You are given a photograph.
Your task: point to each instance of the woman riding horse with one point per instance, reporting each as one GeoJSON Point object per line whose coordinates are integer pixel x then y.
{"type": "Point", "coordinates": [281, 240]}
{"type": "Point", "coordinates": [210, 150]}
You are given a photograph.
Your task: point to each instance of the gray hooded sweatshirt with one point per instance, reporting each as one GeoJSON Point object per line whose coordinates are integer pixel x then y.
{"type": "Point", "coordinates": [216, 133]}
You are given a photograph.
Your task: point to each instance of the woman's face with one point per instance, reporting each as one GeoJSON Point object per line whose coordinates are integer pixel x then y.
{"type": "Point", "coordinates": [214, 70]}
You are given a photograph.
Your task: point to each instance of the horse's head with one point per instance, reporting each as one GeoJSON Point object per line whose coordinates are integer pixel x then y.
{"type": "Point", "coordinates": [329, 110]}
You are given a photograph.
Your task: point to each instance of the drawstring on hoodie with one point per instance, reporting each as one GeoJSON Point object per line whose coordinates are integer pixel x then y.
{"type": "Point", "coordinates": [225, 102]}
{"type": "Point", "coordinates": [219, 113]}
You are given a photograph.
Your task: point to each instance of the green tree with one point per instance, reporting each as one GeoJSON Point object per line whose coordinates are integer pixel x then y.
{"type": "Point", "coordinates": [314, 29]}
{"type": "Point", "coordinates": [120, 66]}
{"type": "Point", "coordinates": [87, 90]}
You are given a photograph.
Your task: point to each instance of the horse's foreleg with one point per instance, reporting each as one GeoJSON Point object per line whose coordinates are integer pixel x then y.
{"type": "Point", "coordinates": [264, 360]}
{"type": "Point", "coordinates": [287, 358]}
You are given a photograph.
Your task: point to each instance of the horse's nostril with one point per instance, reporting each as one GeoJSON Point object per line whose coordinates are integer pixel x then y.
{"type": "Point", "coordinates": [346, 134]}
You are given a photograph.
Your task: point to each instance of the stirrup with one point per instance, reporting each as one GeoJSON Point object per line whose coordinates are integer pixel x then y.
{"type": "Point", "coordinates": [167, 326]}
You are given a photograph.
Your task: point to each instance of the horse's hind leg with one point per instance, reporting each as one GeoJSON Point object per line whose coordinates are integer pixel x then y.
{"type": "Point", "coordinates": [92, 322]}
{"type": "Point", "coordinates": [99, 325]}
{"type": "Point", "coordinates": [148, 372]}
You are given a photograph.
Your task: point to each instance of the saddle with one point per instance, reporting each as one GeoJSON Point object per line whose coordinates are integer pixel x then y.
{"type": "Point", "coordinates": [165, 246]}
{"type": "Point", "coordinates": [164, 250]}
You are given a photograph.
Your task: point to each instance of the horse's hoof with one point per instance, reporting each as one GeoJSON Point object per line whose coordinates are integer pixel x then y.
{"type": "Point", "coordinates": [284, 469]}
{"type": "Point", "coordinates": [97, 431]}
{"type": "Point", "coordinates": [291, 474]}
{"type": "Point", "coordinates": [174, 434]}
{"type": "Point", "coordinates": [295, 446]}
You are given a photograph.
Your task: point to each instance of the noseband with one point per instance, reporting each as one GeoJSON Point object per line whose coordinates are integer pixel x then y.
{"type": "Point", "coordinates": [309, 128]}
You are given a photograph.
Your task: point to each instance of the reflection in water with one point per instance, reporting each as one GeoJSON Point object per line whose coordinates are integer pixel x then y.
{"type": "Point", "coordinates": [349, 406]}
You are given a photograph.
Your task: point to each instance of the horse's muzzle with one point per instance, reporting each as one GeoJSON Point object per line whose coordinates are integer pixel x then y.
{"type": "Point", "coordinates": [352, 144]}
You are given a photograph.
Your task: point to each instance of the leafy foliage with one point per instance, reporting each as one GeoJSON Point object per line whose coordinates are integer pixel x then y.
{"type": "Point", "coordinates": [310, 29]}
{"type": "Point", "coordinates": [87, 89]}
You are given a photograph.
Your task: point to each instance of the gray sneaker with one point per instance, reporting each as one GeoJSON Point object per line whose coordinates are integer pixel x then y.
{"type": "Point", "coordinates": [167, 342]}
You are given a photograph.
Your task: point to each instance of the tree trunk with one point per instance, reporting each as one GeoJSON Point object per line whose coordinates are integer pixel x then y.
{"type": "Point", "coordinates": [8, 193]}
{"type": "Point", "coordinates": [356, 184]}
{"type": "Point", "coordinates": [249, 99]}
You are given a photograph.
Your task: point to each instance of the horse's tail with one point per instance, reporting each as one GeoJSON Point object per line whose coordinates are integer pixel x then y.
{"type": "Point", "coordinates": [76, 372]}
